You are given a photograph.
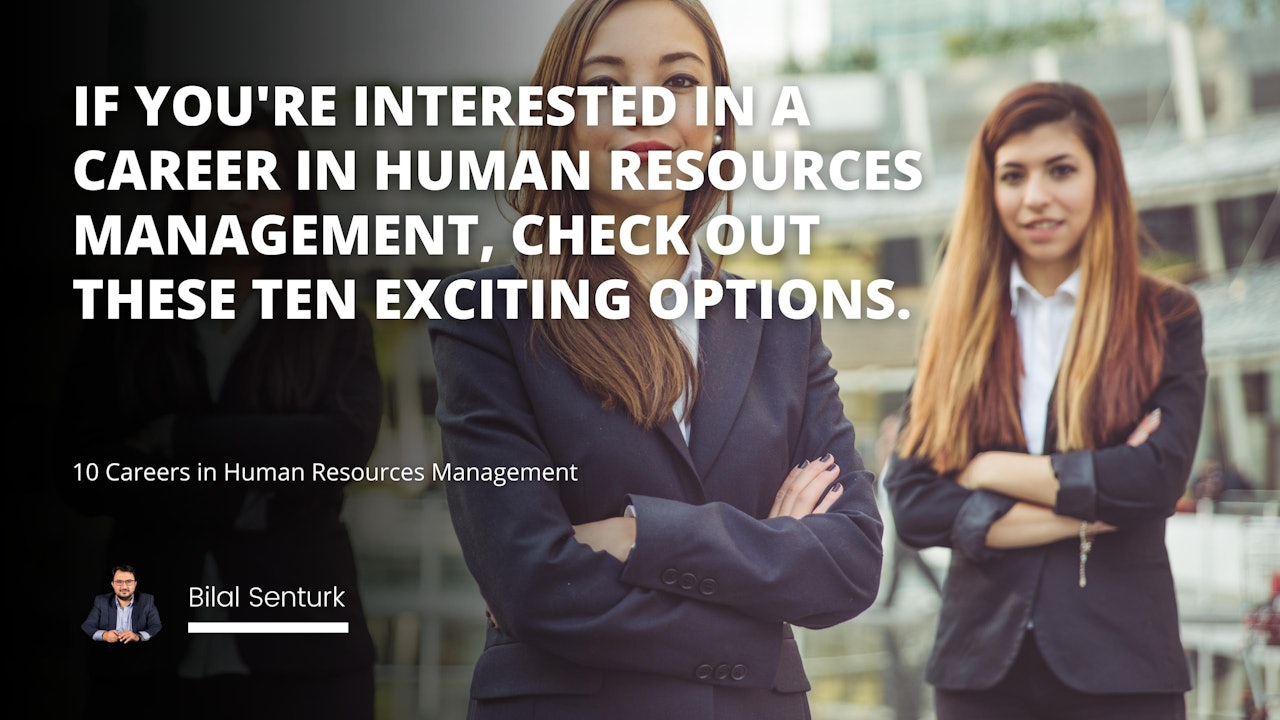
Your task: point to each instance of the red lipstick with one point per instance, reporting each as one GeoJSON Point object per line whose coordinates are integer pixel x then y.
{"type": "Point", "coordinates": [643, 148]}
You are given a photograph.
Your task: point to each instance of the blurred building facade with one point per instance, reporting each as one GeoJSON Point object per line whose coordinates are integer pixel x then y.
{"type": "Point", "coordinates": [927, 34]}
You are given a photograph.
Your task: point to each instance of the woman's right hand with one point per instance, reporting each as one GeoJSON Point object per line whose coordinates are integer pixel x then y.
{"type": "Point", "coordinates": [1097, 526]}
{"type": "Point", "coordinates": [809, 489]}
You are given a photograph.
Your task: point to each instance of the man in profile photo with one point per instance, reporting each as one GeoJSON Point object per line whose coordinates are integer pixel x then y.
{"type": "Point", "coordinates": [123, 615]}
{"type": "Point", "coordinates": [121, 624]}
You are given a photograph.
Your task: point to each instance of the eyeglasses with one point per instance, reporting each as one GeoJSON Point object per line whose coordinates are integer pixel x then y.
{"type": "Point", "coordinates": [123, 582]}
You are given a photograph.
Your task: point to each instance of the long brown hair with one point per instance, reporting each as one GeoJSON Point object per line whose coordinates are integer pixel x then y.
{"type": "Point", "coordinates": [637, 364]}
{"type": "Point", "coordinates": [965, 395]}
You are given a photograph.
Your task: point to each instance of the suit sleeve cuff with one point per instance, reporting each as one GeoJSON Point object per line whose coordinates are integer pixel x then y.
{"type": "Point", "coordinates": [977, 514]}
{"type": "Point", "coordinates": [1077, 485]}
{"type": "Point", "coordinates": [144, 635]}
{"type": "Point", "coordinates": [642, 565]}
{"type": "Point", "coordinates": [660, 526]}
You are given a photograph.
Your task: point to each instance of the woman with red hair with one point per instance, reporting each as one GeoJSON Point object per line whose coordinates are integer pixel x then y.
{"type": "Point", "coordinates": [1050, 430]}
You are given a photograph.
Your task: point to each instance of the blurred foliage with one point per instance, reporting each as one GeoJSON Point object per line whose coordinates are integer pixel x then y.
{"type": "Point", "coordinates": [1173, 266]}
{"type": "Point", "coordinates": [859, 59]}
{"type": "Point", "coordinates": [995, 41]}
{"type": "Point", "coordinates": [1231, 13]}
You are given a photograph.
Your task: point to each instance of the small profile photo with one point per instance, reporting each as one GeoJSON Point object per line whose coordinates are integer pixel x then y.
{"type": "Point", "coordinates": [125, 615]}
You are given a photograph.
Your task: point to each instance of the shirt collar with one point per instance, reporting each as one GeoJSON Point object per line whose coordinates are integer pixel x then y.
{"type": "Point", "coordinates": [1069, 289]}
{"type": "Point", "coordinates": [693, 268]}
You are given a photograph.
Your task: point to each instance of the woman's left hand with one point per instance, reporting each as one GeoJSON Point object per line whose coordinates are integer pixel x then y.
{"type": "Point", "coordinates": [1142, 432]}
{"type": "Point", "coordinates": [811, 488]}
{"type": "Point", "coordinates": [616, 536]}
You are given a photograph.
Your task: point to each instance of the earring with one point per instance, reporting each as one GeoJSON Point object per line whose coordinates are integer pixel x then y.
{"type": "Point", "coordinates": [717, 140]}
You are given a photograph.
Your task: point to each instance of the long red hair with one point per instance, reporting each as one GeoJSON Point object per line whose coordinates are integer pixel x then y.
{"type": "Point", "coordinates": [965, 396]}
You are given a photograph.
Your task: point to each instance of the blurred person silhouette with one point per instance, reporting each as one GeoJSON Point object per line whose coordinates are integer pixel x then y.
{"type": "Point", "coordinates": [247, 394]}
{"type": "Point", "coordinates": [903, 556]}
{"type": "Point", "coordinates": [1216, 478]}
{"type": "Point", "coordinates": [1050, 430]}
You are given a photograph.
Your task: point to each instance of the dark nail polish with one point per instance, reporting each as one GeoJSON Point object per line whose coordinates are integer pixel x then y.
{"type": "Point", "coordinates": [804, 464]}
{"type": "Point", "coordinates": [835, 488]}
{"type": "Point", "coordinates": [825, 458]}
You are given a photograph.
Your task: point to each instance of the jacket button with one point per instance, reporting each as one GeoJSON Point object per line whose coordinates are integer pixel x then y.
{"type": "Point", "coordinates": [707, 587]}
{"type": "Point", "coordinates": [669, 576]}
{"type": "Point", "coordinates": [687, 581]}
{"type": "Point", "coordinates": [722, 672]}
{"type": "Point", "coordinates": [739, 672]}
{"type": "Point", "coordinates": [703, 672]}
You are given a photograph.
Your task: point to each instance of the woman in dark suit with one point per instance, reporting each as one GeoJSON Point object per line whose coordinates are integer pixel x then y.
{"type": "Point", "coordinates": [708, 492]}
{"type": "Point", "coordinates": [1050, 430]}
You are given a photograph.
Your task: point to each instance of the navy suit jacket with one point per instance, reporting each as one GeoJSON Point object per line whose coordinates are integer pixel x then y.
{"type": "Point", "coordinates": [105, 608]}
{"type": "Point", "coordinates": [697, 622]}
{"type": "Point", "coordinates": [1119, 634]}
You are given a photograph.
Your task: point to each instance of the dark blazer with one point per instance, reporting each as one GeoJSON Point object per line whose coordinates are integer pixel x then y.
{"type": "Point", "coordinates": [1120, 633]}
{"type": "Point", "coordinates": [696, 623]}
{"type": "Point", "coordinates": [105, 609]}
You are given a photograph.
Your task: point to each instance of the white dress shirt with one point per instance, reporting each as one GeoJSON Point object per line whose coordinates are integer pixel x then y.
{"type": "Point", "coordinates": [1043, 327]}
{"type": "Point", "coordinates": [686, 327]}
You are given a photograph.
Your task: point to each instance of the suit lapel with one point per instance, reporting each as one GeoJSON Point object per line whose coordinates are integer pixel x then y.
{"type": "Point", "coordinates": [727, 348]}
{"type": "Point", "coordinates": [1050, 422]}
{"type": "Point", "coordinates": [670, 431]}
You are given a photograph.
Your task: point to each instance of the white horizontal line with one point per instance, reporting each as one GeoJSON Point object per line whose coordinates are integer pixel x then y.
{"type": "Point", "coordinates": [289, 628]}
